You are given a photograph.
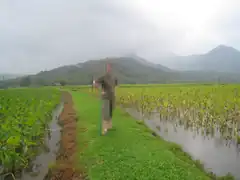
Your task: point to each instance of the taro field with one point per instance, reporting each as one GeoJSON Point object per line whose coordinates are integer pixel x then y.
{"type": "Point", "coordinates": [205, 109]}
{"type": "Point", "coordinates": [24, 116]}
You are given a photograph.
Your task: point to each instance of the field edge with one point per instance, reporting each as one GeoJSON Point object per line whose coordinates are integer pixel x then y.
{"type": "Point", "coordinates": [87, 136]}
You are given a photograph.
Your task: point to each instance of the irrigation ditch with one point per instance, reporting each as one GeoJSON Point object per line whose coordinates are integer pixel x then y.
{"type": "Point", "coordinates": [55, 159]}
{"type": "Point", "coordinates": [65, 167]}
{"type": "Point", "coordinates": [46, 150]}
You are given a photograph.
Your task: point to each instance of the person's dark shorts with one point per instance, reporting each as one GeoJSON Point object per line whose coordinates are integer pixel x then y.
{"type": "Point", "coordinates": [107, 109]}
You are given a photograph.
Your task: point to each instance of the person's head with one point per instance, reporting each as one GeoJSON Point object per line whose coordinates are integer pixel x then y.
{"type": "Point", "coordinates": [109, 68]}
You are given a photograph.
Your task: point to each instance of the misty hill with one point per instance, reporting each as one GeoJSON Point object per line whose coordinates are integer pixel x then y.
{"type": "Point", "coordinates": [219, 59]}
{"type": "Point", "coordinates": [6, 76]}
{"type": "Point", "coordinates": [147, 63]}
{"type": "Point", "coordinates": [128, 70]}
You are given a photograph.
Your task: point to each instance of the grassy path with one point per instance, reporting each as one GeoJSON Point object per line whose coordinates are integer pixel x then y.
{"type": "Point", "coordinates": [129, 153]}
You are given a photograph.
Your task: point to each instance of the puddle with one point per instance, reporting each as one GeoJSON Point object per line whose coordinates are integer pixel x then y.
{"type": "Point", "coordinates": [212, 152]}
{"type": "Point", "coordinates": [40, 165]}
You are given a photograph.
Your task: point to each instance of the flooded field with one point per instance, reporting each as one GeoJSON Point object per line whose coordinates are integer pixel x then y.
{"type": "Point", "coordinates": [216, 154]}
{"type": "Point", "coordinates": [38, 169]}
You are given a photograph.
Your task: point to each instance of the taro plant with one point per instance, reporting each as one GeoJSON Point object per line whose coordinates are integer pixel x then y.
{"type": "Point", "coordinates": [24, 114]}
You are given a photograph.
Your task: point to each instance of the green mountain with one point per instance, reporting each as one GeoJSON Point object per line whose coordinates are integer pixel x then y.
{"type": "Point", "coordinates": [147, 63]}
{"type": "Point", "coordinates": [128, 70]}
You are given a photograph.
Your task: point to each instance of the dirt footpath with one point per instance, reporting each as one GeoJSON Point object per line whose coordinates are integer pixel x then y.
{"type": "Point", "coordinates": [65, 168]}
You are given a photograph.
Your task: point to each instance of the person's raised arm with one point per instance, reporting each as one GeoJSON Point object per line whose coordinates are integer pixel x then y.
{"type": "Point", "coordinates": [98, 81]}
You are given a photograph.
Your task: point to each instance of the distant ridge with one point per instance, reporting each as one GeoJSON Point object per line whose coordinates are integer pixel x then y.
{"type": "Point", "coordinates": [129, 69]}
{"type": "Point", "coordinates": [220, 59]}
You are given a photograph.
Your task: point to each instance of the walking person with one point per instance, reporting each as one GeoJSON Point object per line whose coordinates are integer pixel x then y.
{"type": "Point", "coordinates": [108, 83]}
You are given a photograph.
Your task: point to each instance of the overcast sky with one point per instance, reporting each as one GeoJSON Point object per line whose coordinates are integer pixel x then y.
{"type": "Point", "coordinates": [42, 34]}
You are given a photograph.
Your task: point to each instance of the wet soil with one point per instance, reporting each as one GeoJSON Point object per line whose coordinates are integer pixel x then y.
{"type": "Point", "coordinates": [66, 163]}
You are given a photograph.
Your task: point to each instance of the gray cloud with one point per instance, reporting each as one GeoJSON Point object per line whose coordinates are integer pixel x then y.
{"type": "Point", "coordinates": [42, 34]}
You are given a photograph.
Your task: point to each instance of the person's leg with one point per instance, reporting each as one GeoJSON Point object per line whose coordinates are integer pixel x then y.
{"type": "Point", "coordinates": [111, 114]}
{"type": "Point", "coordinates": [112, 107]}
{"type": "Point", "coordinates": [106, 116]}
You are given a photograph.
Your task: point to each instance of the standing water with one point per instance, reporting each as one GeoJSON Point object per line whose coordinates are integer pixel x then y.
{"type": "Point", "coordinates": [40, 165]}
{"type": "Point", "coordinates": [216, 156]}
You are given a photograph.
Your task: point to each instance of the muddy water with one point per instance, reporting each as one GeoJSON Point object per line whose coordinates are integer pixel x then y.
{"type": "Point", "coordinates": [47, 157]}
{"type": "Point", "coordinates": [212, 152]}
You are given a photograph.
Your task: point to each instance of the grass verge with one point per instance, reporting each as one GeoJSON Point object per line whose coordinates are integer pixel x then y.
{"type": "Point", "coordinates": [131, 152]}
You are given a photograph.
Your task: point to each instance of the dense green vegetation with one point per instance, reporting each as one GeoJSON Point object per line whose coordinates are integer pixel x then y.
{"type": "Point", "coordinates": [24, 115]}
{"type": "Point", "coordinates": [130, 152]}
{"type": "Point", "coordinates": [206, 109]}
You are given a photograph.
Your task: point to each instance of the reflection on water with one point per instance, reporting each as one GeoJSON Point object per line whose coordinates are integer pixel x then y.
{"type": "Point", "coordinates": [41, 163]}
{"type": "Point", "coordinates": [212, 152]}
